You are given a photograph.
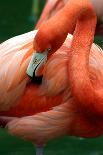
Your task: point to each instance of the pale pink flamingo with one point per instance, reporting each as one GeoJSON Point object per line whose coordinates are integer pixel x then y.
{"type": "Point", "coordinates": [62, 82]}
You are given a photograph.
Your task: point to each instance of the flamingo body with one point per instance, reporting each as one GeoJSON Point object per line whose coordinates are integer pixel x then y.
{"type": "Point", "coordinates": [69, 77]}
{"type": "Point", "coordinates": [34, 98]}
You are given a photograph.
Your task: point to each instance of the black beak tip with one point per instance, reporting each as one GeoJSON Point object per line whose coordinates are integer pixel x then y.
{"type": "Point", "coordinates": [37, 79]}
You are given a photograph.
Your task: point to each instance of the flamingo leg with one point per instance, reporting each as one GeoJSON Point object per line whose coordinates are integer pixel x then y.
{"type": "Point", "coordinates": [39, 149]}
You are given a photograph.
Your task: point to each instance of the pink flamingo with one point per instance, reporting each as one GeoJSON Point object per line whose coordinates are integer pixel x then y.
{"type": "Point", "coordinates": [20, 97]}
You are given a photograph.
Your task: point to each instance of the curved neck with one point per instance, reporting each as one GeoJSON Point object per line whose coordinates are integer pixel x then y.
{"type": "Point", "coordinates": [64, 21]}
{"type": "Point", "coordinates": [86, 97]}
{"type": "Point", "coordinates": [50, 8]}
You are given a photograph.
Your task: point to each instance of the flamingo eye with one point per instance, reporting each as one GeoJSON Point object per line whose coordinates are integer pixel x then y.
{"type": "Point", "coordinates": [35, 61]}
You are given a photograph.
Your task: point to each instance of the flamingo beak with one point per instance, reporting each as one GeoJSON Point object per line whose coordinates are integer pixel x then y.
{"type": "Point", "coordinates": [36, 65]}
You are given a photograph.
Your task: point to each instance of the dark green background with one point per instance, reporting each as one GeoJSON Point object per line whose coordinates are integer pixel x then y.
{"type": "Point", "coordinates": [17, 17]}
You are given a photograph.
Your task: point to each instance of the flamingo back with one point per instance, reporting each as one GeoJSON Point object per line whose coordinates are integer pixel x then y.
{"type": "Point", "coordinates": [13, 65]}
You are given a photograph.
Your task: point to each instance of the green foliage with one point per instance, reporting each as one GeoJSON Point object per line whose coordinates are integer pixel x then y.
{"type": "Point", "coordinates": [99, 41]}
{"type": "Point", "coordinates": [18, 17]}
{"type": "Point", "coordinates": [10, 145]}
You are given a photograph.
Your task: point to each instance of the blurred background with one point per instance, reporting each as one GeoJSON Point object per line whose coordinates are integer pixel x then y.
{"type": "Point", "coordinates": [18, 17]}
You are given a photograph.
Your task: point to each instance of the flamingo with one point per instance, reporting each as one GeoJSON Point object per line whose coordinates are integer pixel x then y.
{"type": "Point", "coordinates": [74, 112]}
{"type": "Point", "coordinates": [51, 7]}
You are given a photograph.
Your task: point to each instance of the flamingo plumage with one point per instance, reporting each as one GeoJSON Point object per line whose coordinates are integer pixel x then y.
{"type": "Point", "coordinates": [62, 82]}
{"type": "Point", "coordinates": [65, 119]}
{"type": "Point", "coordinates": [19, 90]}
{"type": "Point", "coordinates": [50, 8]}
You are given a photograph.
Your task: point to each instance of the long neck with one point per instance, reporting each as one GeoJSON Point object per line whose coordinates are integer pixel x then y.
{"type": "Point", "coordinates": [65, 20]}
{"type": "Point", "coordinates": [81, 14]}
{"type": "Point", "coordinates": [50, 8]}
{"type": "Point", "coordinates": [86, 96]}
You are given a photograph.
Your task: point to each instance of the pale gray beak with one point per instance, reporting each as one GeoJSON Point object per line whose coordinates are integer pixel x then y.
{"type": "Point", "coordinates": [36, 62]}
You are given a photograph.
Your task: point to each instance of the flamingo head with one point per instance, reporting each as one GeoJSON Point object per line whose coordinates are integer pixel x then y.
{"type": "Point", "coordinates": [51, 35]}
{"type": "Point", "coordinates": [42, 41]}
{"type": "Point", "coordinates": [43, 48]}
{"type": "Point", "coordinates": [47, 41]}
